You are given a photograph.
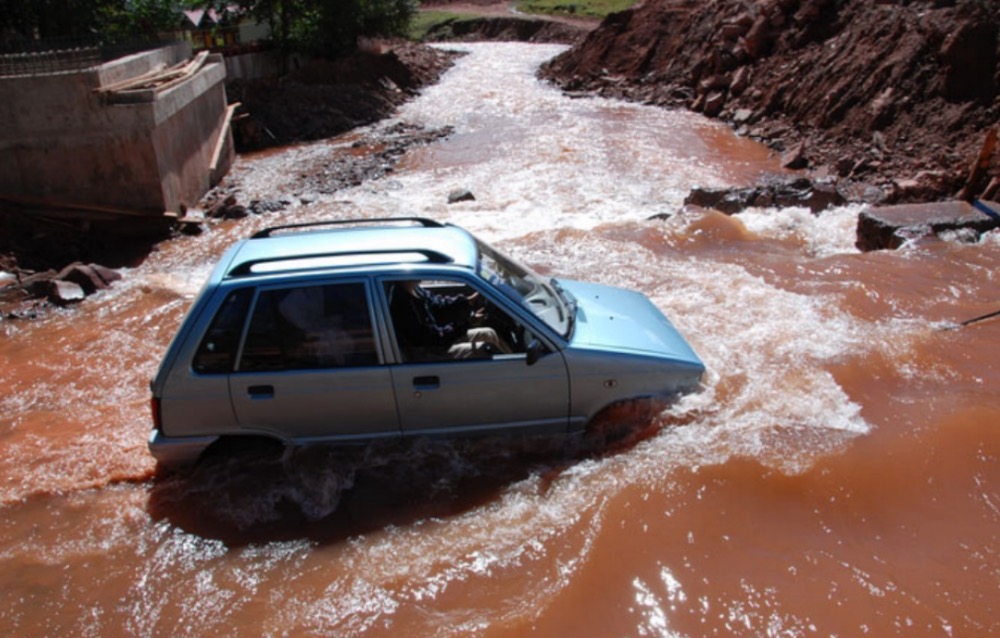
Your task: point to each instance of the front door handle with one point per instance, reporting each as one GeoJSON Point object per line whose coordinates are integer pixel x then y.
{"type": "Point", "coordinates": [426, 383]}
{"type": "Point", "coordinates": [261, 391]}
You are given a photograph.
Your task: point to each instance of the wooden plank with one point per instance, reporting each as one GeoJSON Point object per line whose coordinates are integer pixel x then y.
{"type": "Point", "coordinates": [162, 80]}
{"type": "Point", "coordinates": [979, 167]}
{"type": "Point", "coordinates": [221, 140]}
{"type": "Point", "coordinates": [185, 73]}
{"type": "Point", "coordinates": [120, 84]}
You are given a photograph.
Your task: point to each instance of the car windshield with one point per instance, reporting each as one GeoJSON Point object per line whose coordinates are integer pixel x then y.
{"type": "Point", "coordinates": [546, 299]}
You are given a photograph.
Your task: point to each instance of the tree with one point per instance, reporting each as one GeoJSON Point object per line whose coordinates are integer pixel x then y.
{"type": "Point", "coordinates": [90, 20]}
{"type": "Point", "coordinates": [339, 23]}
{"type": "Point", "coordinates": [325, 27]}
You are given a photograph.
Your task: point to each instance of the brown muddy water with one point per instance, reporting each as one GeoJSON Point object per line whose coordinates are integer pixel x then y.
{"type": "Point", "coordinates": [838, 475]}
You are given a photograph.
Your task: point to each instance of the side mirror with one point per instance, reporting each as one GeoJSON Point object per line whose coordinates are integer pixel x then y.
{"type": "Point", "coordinates": [535, 351]}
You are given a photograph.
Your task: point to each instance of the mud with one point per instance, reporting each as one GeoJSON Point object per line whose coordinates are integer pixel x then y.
{"type": "Point", "coordinates": [892, 97]}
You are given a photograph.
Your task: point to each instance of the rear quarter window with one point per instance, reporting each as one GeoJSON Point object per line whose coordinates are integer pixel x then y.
{"type": "Point", "coordinates": [217, 352]}
{"type": "Point", "coordinates": [310, 327]}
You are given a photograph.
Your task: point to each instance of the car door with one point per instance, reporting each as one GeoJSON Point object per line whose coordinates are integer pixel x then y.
{"type": "Point", "coordinates": [471, 387]}
{"type": "Point", "coordinates": [310, 367]}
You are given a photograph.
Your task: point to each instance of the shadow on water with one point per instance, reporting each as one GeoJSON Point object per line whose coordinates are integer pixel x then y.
{"type": "Point", "coordinates": [328, 494]}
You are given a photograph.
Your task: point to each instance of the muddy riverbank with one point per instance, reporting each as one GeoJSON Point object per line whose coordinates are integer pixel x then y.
{"type": "Point", "coordinates": [891, 98]}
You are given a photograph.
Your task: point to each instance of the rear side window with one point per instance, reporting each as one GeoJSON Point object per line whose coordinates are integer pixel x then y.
{"type": "Point", "coordinates": [217, 351]}
{"type": "Point", "coordinates": [309, 327]}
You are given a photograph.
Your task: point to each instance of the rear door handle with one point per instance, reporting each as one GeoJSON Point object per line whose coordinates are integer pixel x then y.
{"type": "Point", "coordinates": [261, 391]}
{"type": "Point", "coordinates": [426, 383]}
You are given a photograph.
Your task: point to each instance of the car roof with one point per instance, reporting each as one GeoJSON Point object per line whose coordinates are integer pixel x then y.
{"type": "Point", "coordinates": [351, 243]}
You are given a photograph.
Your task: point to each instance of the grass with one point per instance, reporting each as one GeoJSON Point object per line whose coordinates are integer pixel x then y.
{"type": "Point", "coordinates": [576, 8]}
{"type": "Point", "coordinates": [424, 21]}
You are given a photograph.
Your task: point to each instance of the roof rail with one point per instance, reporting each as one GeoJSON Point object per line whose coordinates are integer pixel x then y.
{"type": "Point", "coordinates": [307, 262]}
{"type": "Point", "coordinates": [422, 221]}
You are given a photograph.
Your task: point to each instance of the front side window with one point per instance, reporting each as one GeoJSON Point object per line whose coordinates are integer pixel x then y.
{"type": "Point", "coordinates": [437, 320]}
{"type": "Point", "coordinates": [310, 327]}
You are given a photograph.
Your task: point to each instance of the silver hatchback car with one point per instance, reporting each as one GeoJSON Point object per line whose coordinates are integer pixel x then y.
{"type": "Point", "coordinates": [340, 332]}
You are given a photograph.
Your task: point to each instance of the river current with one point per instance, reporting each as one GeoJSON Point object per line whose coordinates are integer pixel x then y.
{"type": "Point", "coordinates": [838, 474]}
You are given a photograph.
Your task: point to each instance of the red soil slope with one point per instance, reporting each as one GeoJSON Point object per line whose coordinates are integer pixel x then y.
{"type": "Point", "coordinates": [892, 96]}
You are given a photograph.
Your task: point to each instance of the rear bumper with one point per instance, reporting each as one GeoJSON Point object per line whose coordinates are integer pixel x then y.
{"type": "Point", "coordinates": [178, 451]}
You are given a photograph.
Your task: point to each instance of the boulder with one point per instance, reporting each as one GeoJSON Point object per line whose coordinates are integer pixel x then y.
{"type": "Point", "coordinates": [460, 195]}
{"type": "Point", "coordinates": [714, 103]}
{"type": "Point", "coordinates": [37, 284]}
{"type": "Point", "coordinates": [881, 227]}
{"type": "Point", "coordinates": [83, 276]}
{"type": "Point", "coordinates": [816, 196]}
{"type": "Point", "coordinates": [64, 293]}
{"type": "Point", "coordinates": [795, 157]}
{"type": "Point", "coordinates": [90, 277]}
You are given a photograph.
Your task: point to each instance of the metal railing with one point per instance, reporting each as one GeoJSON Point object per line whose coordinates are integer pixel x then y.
{"type": "Point", "coordinates": [62, 55]}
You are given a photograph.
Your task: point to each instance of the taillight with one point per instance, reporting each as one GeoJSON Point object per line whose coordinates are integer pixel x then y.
{"type": "Point", "coordinates": [154, 406]}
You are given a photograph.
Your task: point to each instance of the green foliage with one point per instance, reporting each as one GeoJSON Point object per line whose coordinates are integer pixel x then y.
{"type": "Point", "coordinates": [131, 19]}
{"type": "Point", "coordinates": [338, 23]}
{"type": "Point", "coordinates": [326, 27]}
{"type": "Point", "coordinates": [581, 8]}
{"type": "Point", "coordinates": [98, 20]}
{"type": "Point", "coordinates": [48, 18]}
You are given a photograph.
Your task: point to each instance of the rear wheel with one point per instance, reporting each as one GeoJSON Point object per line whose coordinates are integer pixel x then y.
{"type": "Point", "coordinates": [244, 449]}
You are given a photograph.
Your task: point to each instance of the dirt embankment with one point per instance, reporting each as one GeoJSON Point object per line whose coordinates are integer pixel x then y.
{"type": "Point", "coordinates": [891, 97]}
{"type": "Point", "coordinates": [323, 98]}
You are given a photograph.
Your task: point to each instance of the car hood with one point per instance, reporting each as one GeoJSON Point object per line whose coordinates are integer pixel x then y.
{"type": "Point", "coordinates": [616, 319]}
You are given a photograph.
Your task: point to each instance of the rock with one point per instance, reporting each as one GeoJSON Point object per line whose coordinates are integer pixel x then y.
{"type": "Point", "coordinates": [84, 276]}
{"type": "Point", "coordinates": [741, 80]}
{"type": "Point", "coordinates": [714, 103]}
{"type": "Point", "coordinates": [259, 207]}
{"type": "Point", "coordinates": [923, 186]}
{"type": "Point", "coordinates": [189, 226]}
{"type": "Point", "coordinates": [756, 40]}
{"type": "Point", "coordinates": [816, 196]}
{"type": "Point", "coordinates": [460, 195]}
{"type": "Point", "coordinates": [742, 116]}
{"type": "Point", "coordinates": [726, 200]}
{"type": "Point", "coordinates": [38, 283]}
{"type": "Point", "coordinates": [713, 83]}
{"type": "Point", "coordinates": [881, 227]}
{"type": "Point", "coordinates": [795, 158]}
{"type": "Point", "coordinates": [64, 293]}
{"type": "Point", "coordinates": [825, 195]}
{"type": "Point", "coordinates": [108, 275]}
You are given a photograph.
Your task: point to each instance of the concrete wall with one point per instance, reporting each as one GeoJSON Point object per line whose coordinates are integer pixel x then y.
{"type": "Point", "coordinates": [252, 66]}
{"type": "Point", "coordinates": [65, 143]}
